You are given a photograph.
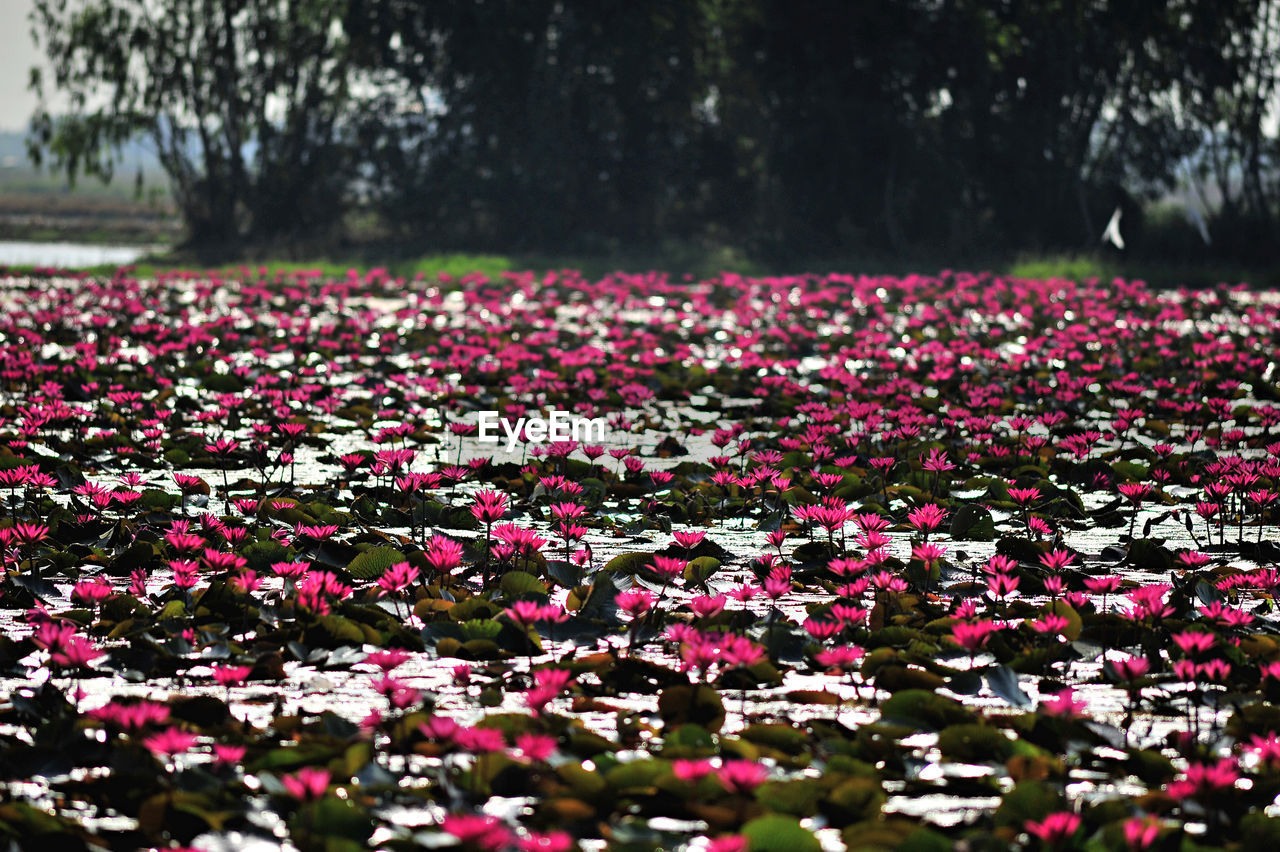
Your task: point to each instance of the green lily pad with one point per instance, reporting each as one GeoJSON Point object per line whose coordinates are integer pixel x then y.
{"type": "Point", "coordinates": [520, 584]}
{"type": "Point", "coordinates": [373, 563]}
{"type": "Point", "coordinates": [778, 833]}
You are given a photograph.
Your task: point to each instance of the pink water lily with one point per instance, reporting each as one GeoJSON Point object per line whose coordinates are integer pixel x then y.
{"type": "Point", "coordinates": [307, 784]}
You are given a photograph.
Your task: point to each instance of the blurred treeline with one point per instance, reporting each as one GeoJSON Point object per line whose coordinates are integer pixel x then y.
{"type": "Point", "coordinates": [789, 128]}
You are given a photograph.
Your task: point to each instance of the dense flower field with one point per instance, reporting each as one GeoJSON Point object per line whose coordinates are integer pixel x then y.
{"type": "Point", "coordinates": [852, 562]}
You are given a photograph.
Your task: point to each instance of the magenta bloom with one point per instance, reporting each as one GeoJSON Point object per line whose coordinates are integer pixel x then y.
{"type": "Point", "coordinates": [927, 517]}
{"type": "Point", "coordinates": [1064, 705]}
{"type": "Point", "coordinates": [483, 832]}
{"type": "Point", "coordinates": [1057, 559]}
{"type": "Point", "coordinates": [691, 771]}
{"type": "Point", "coordinates": [742, 777]}
{"type": "Point", "coordinates": [1141, 832]}
{"type": "Point", "coordinates": [1024, 496]}
{"type": "Point", "coordinates": [972, 635]}
{"type": "Point", "coordinates": [1055, 829]}
{"type": "Point", "coordinates": [1050, 624]}
{"type": "Point", "coordinates": [705, 606]}
{"type": "Point", "coordinates": [528, 613]}
{"type": "Point", "coordinates": [307, 784]}
{"type": "Point", "coordinates": [1104, 584]}
{"type": "Point", "coordinates": [635, 602]}
{"type": "Point", "coordinates": [842, 657]}
{"type": "Point", "coordinates": [729, 843]}
{"type": "Point", "coordinates": [169, 742]}
{"type": "Point", "coordinates": [228, 755]}
{"type": "Point", "coordinates": [489, 506]}
{"type": "Point", "coordinates": [1129, 669]}
{"type": "Point", "coordinates": [91, 592]}
{"type": "Point", "coordinates": [688, 539]}
{"type": "Point", "coordinates": [397, 578]}
{"type": "Point", "coordinates": [535, 747]}
{"type": "Point", "coordinates": [667, 568]}
{"type": "Point", "coordinates": [231, 675]}
{"type": "Point", "coordinates": [821, 629]}
{"type": "Point", "coordinates": [1204, 779]}
{"type": "Point", "coordinates": [75, 652]}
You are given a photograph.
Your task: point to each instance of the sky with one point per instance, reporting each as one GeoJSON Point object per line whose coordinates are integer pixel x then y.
{"type": "Point", "coordinates": [17, 55]}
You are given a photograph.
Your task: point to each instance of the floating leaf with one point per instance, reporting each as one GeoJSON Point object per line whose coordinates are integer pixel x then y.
{"type": "Point", "coordinates": [778, 833]}
{"type": "Point", "coordinates": [519, 584]}
{"type": "Point", "coordinates": [699, 704]}
{"type": "Point", "coordinates": [373, 563]}
{"type": "Point", "coordinates": [972, 522]}
{"type": "Point", "coordinates": [700, 570]}
{"type": "Point", "coordinates": [627, 563]}
{"type": "Point", "coordinates": [974, 744]}
{"type": "Point", "coordinates": [1004, 682]}
{"type": "Point", "coordinates": [797, 797]}
{"type": "Point", "coordinates": [924, 710]}
{"type": "Point", "coordinates": [331, 817]}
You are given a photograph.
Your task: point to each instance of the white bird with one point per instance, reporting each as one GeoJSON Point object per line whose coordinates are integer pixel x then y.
{"type": "Point", "coordinates": [1112, 233]}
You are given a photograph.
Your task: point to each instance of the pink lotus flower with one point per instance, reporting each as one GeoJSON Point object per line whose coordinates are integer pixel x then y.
{"type": "Point", "coordinates": [483, 832]}
{"type": "Point", "coordinates": [479, 740]}
{"type": "Point", "coordinates": [927, 517]}
{"type": "Point", "coordinates": [1050, 624]}
{"type": "Point", "coordinates": [397, 578]}
{"type": "Point", "coordinates": [1057, 559]}
{"type": "Point", "coordinates": [231, 675]}
{"type": "Point", "coordinates": [91, 592]}
{"type": "Point", "coordinates": [307, 784]}
{"type": "Point", "coordinates": [1204, 779]}
{"type": "Point", "coordinates": [169, 742]}
{"type": "Point", "coordinates": [705, 606]}
{"type": "Point", "coordinates": [1141, 832]}
{"type": "Point", "coordinates": [688, 539]}
{"type": "Point", "coordinates": [729, 843]}
{"type": "Point", "coordinates": [1130, 669]}
{"type": "Point", "coordinates": [972, 636]}
{"type": "Point", "coordinates": [1063, 705]}
{"type": "Point", "coordinates": [667, 568]}
{"type": "Point", "coordinates": [74, 652]}
{"type": "Point", "coordinates": [228, 755]}
{"type": "Point", "coordinates": [1193, 643]}
{"type": "Point", "coordinates": [821, 629]}
{"type": "Point", "coordinates": [691, 771]}
{"type": "Point", "coordinates": [387, 659]}
{"type": "Point", "coordinates": [635, 602]}
{"type": "Point", "coordinates": [842, 657]}
{"type": "Point", "coordinates": [528, 613]}
{"type": "Point", "coordinates": [1024, 496]}
{"type": "Point", "coordinates": [1055, 829]}
{"type": "Point", "coordinates": [489, 506]}
{"type": "Point", "coordinates": [742, 777]}
{"type": "Point", "coordinates": [438, 728]}
{"type": "Point", "coordinates": [535, 747]}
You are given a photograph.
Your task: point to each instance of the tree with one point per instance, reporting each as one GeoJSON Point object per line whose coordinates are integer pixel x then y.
{"type": "Point", "coordinates": [535, 123]}
{"type": "Point", "coordinates": [247, 103]}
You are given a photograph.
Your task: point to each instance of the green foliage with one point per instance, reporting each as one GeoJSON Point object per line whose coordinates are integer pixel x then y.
{"type": "Point", "coordinates": [659, 127]}
{"type": "Point", "coordinates": [246, 105]}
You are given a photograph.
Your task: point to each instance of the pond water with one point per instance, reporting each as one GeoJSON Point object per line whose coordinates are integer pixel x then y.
{"type": "Point", "coordinates": [729, 418]}
{"type": "Point", "coordinates": [67, 255]}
